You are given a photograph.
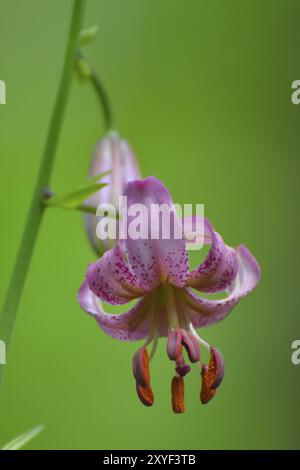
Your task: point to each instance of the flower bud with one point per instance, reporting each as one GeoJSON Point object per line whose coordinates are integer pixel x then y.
{"type": "Point", "coordinates": [115, 155]}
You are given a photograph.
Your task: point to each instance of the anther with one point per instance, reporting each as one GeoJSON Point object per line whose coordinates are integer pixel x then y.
{"type": "Point", "coordinates": [177, 394]}
{"type": "Point", "coordinates": [141, 372]}
{"type": "Point", "coordinates": [215, 372]}
{"type": "Point", "coordinates": [206, 393]}
{"type": "Point", "coordinates": [145, 394]}
{"type": "Point", "coordinates": [140, 366]}
{"type": "Point", "coordinates": [212, 375]}
{"type": "Point", "coordinates": [191, 345]}
{"type": "Point", "coordinates": [174, 346]}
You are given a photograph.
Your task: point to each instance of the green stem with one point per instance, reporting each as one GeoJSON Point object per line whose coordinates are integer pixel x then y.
{"type": "Point", "coordinates": [101, 93]}
{"type": "Point", "coordinates": [36, 210]}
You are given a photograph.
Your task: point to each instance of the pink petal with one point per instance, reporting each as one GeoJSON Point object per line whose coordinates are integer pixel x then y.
{"type": "Point", "coordinates": [155, 260]}
{"type": "Point", "coordinates": [130, 326]}
{"type": "Point", "coordinates": [219, 269]}
{"type": "Point", "coordinates": [205, 312]}
{"type": "Point", "coordinates": [112, 280]}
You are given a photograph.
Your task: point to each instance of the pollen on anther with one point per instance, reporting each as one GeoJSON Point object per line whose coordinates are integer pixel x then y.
{"type": "Point", "coordinates": [177, 389]}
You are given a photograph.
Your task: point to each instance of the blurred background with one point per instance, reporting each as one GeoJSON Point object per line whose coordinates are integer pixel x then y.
{"type": "Point", "coordinates": [202, 92]}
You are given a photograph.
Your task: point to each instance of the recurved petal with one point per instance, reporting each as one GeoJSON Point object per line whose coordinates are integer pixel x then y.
{"type": "Point", "coordinates": [159, 253]}
{"type": "Point", "coordinates": [219, 269]}
{"type": "Point", "coordinates": [130, 326]}
{"type": "Point", "coordinates": [205, 312]}
{"type": "Point", "coordinates": [112, 280]}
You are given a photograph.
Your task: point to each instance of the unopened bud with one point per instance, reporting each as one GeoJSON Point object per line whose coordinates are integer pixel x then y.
{"type": "Point", "coordinates": [115, 155]}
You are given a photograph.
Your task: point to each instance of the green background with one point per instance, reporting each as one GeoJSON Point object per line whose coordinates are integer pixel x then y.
{"type": "Point", "coordinates": [202, 92]}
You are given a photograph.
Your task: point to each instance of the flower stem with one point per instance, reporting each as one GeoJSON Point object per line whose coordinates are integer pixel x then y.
{"type": "Point", "coordinates": [15, 288]}
{"type": "Point", "coordinates": [101, 93]}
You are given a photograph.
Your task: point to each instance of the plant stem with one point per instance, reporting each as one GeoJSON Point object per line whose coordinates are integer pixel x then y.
{"type": "Point", "coordinates": [36, 210]}
{"type": "Point", "coordinates": [101, 93]}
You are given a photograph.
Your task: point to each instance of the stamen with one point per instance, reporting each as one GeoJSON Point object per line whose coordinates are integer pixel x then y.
{"type": "Point", "coordinates": [140, 366]}
{"type": "Point", "coordinates": [212, 375]}
{"type": "Point", "coordinates": [174, 346]}
{"type": "Point", "coordinates": [145, 394]}
{"type": "Point", "coordinates": [191, 345]}
{"type": "Point", "coordinates": [178, 394]}
{"type": "Point", "coordinates": [154, 346]}
{"type": "Point", "coordinates": [215, 373]}
{"type": "Point", "coordinates": [197, 337]}
{"type": "Point", "coordinates": [154, 332]}
{"type": "Point", "coordinates": [173, 312]}
{"type": "Point", "coordinates": [141, 372]}
{"type": "Point", "coordinates": [206, 393]}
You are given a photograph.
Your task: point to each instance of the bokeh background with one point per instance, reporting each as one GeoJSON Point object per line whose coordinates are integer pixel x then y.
{"type": "Point", "coordinates": [202, 91]}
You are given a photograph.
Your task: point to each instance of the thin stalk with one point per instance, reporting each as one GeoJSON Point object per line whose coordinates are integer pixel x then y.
{"type": "Point", "coordinates": [15, 288]}
{"type": "Point", "coordinates": [101, 93]}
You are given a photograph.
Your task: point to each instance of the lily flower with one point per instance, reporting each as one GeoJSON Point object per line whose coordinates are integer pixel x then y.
{"type": "Point", "coordinates": [156, 272]}
{"type": "Point", "coordinates": [114, 155]}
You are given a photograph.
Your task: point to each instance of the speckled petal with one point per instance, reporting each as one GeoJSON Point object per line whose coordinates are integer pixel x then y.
{"type": "Point", "coordinates": [155, 260]}
{"type": "Point", "coordinates": [112, 280]}
{"type": "Point", "coordinates": [205, 312]}
{"type": "Point", "coordinates": [219, 269]}
{"type": "Point", "coordinates": [130, 326]}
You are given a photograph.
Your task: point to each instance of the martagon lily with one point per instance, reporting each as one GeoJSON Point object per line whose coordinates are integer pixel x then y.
{"type": "Point", "coordinates": [156, 272]}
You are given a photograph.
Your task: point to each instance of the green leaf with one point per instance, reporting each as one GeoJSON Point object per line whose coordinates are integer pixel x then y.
{"type": "Point", "coordinates": [21, 440]}
{"type": "Point", "coordinates": [99, 176]}
{"type": "Point", "coordinates": [88, 35]}
{"type": "Point", "coordinates": [75, 198]}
